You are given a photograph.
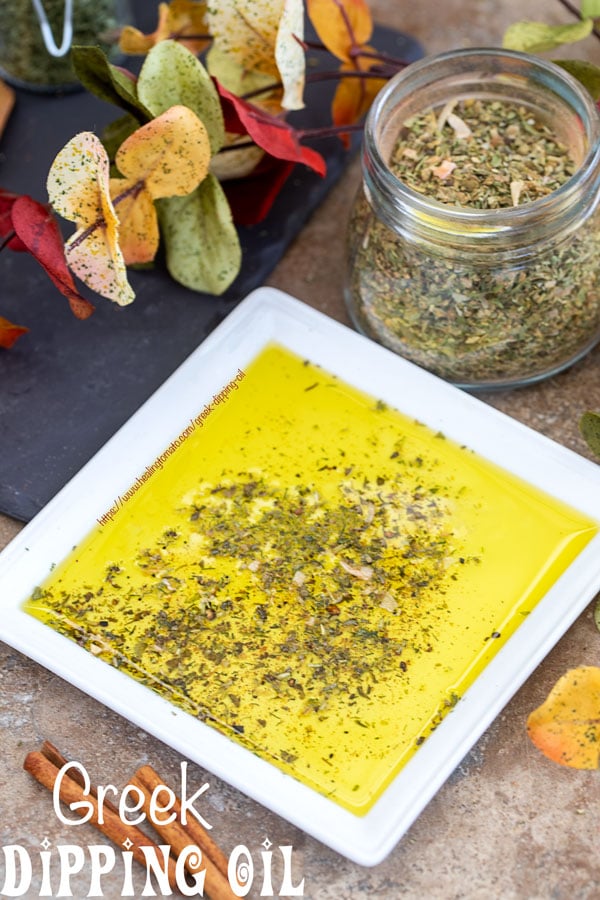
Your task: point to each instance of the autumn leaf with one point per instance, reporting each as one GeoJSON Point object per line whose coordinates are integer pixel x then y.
{"type": "Point", "coordinates": [168, 157]}
{"type": "Point", "coordinates": [274, 135]}
{"type": "Point", "coordinates": [171, 76]}
{"type": "Point", "coordinates": [536, 37]}
{"type": "Point", "coordinates": [566, 727]}
{"type": "Point", "coordinates": [589, 425]}
{"type": "Point", "coordinates": [354, 96]}
{"type": "Point", "coordinates": [585, 72]}
{"type": "Point", "coordinates": [110, 83]}
{"type": "Point", "coordinates": [181, 20]}
{"type": "Point", "coordinates": [7, 230]}
{"type": "Point", "coordinates": [40, 234]}
{"type": "Point", "coordinates": [78, 187]}
{"type": "Point", "coordinates": [10, 333]}
{"type": "Point", "coordinates": [261, 36]}
{"type": "Point", "coordinates": [342, 25]}
{"type": "Point", "coordinates": [202, 246]}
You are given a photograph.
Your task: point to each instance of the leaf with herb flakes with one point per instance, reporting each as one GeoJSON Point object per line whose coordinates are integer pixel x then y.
{"type": "Point", "coordinates": [184, 20]}
{"type": "Point", "coordinates": [10, 333]}
{"type": "Point", "coordinates": [566, 727]}
{"type": "Point", "coordinates": [342, 25]}
{"type": "Point", "coordinates": [108, 82]}
{"type": "Point", "coordinates": [171, 76]}
{"type": "Point", "coordinates": [590, 8]}
{"type": "Point", "coordinates": [167, 157]}
{"type": "Point", "coordinates": [78, 187]}
{"type": "Point", "coordinates": [275, 136]}
{"type": "Point", "coordinates": [535, 37]}
{"type": "Point", "coordinates": [41, 236]}
{"type": "Point", "coordinates": [202, 246]}
{"type": "Point", "coordinates": [262, 36]}
{"type": "Point", "coordinates": [589, 425]}
{"type": "Point", "coordinates": [585, 72]}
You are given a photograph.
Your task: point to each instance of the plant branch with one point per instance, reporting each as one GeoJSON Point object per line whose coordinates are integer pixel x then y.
{"type": "Point", "coordinates": [577, 13]}
{"type": "Point", "coordinates": [328, 130]}
{"type": "Point", "coordinates": [8, 239]}
{"type": "Point", "coordinates": [132, 191]}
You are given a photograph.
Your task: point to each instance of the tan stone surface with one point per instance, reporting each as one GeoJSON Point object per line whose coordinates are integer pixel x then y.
{"type": "Point", "coordinates": [508, 824]}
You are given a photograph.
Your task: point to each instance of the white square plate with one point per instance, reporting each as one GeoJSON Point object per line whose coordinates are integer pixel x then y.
{"type": "Point", "coordinates": [265, 316]}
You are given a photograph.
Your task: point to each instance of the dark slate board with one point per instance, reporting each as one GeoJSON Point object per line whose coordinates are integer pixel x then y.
{"type": "Point", "coordinates": [67, 386]}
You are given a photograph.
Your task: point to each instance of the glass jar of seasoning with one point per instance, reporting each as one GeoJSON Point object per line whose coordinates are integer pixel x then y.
{"type": "Point", "coordinates": [474, 242]}
{"type": "Point", "coordinates": [37, 35]}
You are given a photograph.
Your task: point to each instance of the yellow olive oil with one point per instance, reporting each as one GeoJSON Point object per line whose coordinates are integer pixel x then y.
{"type": "Point", "coordinates": [314, 574]}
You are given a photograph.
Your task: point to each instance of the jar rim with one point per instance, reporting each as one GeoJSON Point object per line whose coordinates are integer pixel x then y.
{"type": "Point", "coordinates": [429, 71]}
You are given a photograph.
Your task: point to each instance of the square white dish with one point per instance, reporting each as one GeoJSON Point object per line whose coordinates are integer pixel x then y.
{"type": "Point", "coordinates": [266, 316]}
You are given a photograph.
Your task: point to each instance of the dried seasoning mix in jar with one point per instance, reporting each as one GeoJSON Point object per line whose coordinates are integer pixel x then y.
{"type": "Point", "coordinates": [474, 241]}
{"type": "Point", "coordinates": [37, 35]}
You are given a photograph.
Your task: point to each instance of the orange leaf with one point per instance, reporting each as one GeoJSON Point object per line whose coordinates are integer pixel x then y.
{"type": "Point", "coordinates": [566, 727]}
{"type": "Point", "coordinates": [175, 21]}
{"type": "Point", "coordinates": [342, 25]}
{"type": "Point", "coordinates": [171, 154]}
{"type": "Point", "coordinates": [10, 333]}
{"type": "Point", "coordinates": [138, 233]}
{"type": "Point", "coordinates": [354, 95]}
{"type": "Point", "coordinates": [168, 157]}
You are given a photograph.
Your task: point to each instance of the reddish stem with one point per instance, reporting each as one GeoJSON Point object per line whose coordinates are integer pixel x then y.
{"type": "Point", "coordinates": [132, 191]}
{"type": "Point", "coordinates": [8, 239]}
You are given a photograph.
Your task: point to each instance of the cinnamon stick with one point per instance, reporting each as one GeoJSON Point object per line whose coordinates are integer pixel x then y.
{"type": "Point", "coordinates": [178, 836]}
{"type": "Point", "coordinates": [45, 771]}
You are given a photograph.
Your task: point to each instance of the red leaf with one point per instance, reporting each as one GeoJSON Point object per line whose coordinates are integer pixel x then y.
{"type": "Point", "coordinates": [252, 197]}
{"type": "Point", "coordinates": [273, 135]}
{"type": "Point", "coordinates": [6, 224]}
{"type": "Point", "coordinates": [40, 233]}
{"type": "Point", "coordinates": [10, 333]}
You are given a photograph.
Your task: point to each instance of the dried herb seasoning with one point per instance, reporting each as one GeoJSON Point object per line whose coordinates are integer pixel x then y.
{"type": "Point", "coordinates": [480, 271]}
{"type": "Point", "coordinates": [481, 154]}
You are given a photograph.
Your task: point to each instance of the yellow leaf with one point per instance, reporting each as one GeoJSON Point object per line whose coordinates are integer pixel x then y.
{"type": "Point", "coordinates": [181, 20]}
{"type": "Point", "coordinates": [170, 155]}
{"type": "Point", "coordinates": [342, 25]}
{"type": "Point", "coordinates": [138, 222]}
{"type": "Point", "coordinates": [78, 188]}
{"type": "Point", "coordinates": [566, 727]}
{"type": "Point", "coordinates": [261, 36]}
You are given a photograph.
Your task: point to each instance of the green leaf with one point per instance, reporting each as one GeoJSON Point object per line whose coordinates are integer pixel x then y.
{"type": "Point", "coordinates": [202, 246]}
{"type": "Point", "coordinates": [589, 425]}
{"type": "Point", "coordinates": [590, 8]}
{"type": "Point", "coordinates": [108, 82]}
{"type": "Point", "coordinates": [172, 76]}
{"type": "Point", "coordinates": [585, 72]}
{"type": "Point", "coordinates": [597, 614]}
{"type": "Point", "coordinates": [535, 37]}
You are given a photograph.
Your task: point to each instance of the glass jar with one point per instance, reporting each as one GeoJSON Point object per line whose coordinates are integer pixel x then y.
{"type": "Point", "coordinates": [36, 37]}
{"type": "Point", "coordinates": [485, 298]}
